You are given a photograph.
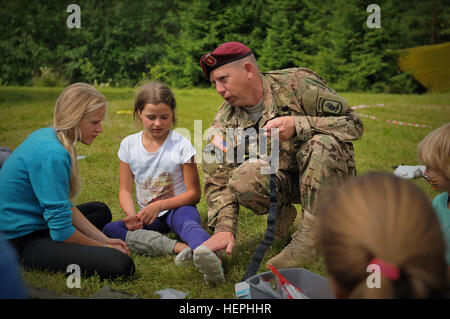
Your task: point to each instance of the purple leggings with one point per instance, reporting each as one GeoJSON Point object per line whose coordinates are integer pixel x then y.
{"type": "Point", "coordinates": [184, 221]}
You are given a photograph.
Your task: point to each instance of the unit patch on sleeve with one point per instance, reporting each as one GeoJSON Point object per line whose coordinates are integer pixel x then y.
{"type": "Point", "coordinates": [329, 106]}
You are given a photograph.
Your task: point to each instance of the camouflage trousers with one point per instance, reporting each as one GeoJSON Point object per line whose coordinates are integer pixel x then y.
{"type": "Point", "coordinates": [322, 162]}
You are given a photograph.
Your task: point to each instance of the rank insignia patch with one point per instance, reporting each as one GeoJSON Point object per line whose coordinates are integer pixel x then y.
{"type": "Point", "coordinates": [330, 106]}
{"type": "Point", "coordinates": [221, 143]}
{"type": "Point", "coordinates": [209, 60]}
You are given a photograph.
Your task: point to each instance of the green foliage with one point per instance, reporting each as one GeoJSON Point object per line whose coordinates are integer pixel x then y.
{"type": "Point", "coordinates": [47, 77]}
{"type": "Point", "coordinates": [120, 43]}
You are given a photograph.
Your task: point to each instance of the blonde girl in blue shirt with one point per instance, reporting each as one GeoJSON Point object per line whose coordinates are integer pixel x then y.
{"type": "Point", "coordinates": [39, 182]}
{"type": "Point", "coordinates": [434, 153]}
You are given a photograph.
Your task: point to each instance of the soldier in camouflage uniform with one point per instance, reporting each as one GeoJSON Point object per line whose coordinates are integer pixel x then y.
{"type": "Point", "coordinates": [316, 128]}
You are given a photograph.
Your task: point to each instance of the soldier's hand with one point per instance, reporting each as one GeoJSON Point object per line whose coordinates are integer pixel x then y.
{"type": "Point", "coordinates": [221, 241]}
{"type": "Point", "coordinates": [285, 126]}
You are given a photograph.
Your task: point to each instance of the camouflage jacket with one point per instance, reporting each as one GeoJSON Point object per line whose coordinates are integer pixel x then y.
{"type": "Point", "coordinates": [297, 92]}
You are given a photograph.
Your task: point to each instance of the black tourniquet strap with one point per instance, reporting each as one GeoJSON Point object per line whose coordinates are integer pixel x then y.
{"type": "Point", "coordinates": [270, 232]}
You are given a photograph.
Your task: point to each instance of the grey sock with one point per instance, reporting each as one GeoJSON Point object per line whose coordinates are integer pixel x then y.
{"type": "Point", "coordinates": [184, 258]}
{"type": "Point", "coordinates": [209, 264]}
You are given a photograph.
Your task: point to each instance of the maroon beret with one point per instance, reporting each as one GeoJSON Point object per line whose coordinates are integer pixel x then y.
{"type": "Point", "coordinates": [223, 54]}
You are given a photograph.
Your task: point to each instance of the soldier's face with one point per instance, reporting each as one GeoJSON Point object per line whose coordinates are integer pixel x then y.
{"type": "Point", "coordinates": [232, 83]}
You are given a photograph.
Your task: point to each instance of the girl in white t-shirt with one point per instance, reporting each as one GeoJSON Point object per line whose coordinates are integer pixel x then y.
{"type": "Point", "coordinates": [161, 164]}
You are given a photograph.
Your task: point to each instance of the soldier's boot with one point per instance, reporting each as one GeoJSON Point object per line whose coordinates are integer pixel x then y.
{"type": "Point", "coordinates": [285, 218]}
{"type": "Point", "coordinates": [302, 248]}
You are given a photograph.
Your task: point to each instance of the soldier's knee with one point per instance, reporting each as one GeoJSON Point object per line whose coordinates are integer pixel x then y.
{"type": "Point", "coordinates": [241, 188]}
{"type": "Point", "coordinates": [250, 188]}
{"type": "Point", "coordinates": [322, 153]}
{"type": "Point", "coordinates": [244, 179]}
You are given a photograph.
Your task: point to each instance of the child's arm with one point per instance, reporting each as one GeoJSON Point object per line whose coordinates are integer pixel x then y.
{"type": "Point", "coordinates": [87, 234]}
{"type": "Point", "coordinates": [126, 197]}
{"type": "Point", "coordinates": [191, 197]}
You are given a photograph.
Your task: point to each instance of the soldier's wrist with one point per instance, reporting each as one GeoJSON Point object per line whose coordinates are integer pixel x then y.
{"type": "Point", "coordinates": [303, 129]}
{"type": "Point", "coordinates": [220, 229]}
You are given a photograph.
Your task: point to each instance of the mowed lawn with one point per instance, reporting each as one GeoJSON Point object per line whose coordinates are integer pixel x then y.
{"type": "Point", "coordinates": [383, 146]}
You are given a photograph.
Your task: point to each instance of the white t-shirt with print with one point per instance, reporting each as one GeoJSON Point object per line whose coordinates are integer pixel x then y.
{"type": "Point", "coordinates": [157, 175]}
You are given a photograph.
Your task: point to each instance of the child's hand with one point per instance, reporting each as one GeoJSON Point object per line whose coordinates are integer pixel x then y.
{"type": "Point", "coordinates": [133, 223]}
{"type": "Point", "coordinates": [118, 244]}
{"type": "Point", "coordinates": [148, 214]}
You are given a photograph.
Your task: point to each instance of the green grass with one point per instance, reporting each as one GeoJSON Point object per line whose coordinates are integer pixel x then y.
{"type": "Point", "coordinates": [23, 110]}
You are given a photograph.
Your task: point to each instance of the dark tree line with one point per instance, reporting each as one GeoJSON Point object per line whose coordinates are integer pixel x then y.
{"type": "Point", "coordinates": [121, 43]}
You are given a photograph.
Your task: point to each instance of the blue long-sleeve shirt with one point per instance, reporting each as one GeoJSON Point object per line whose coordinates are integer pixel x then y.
{"type": "Point", "coordinates": [440, 205]}
{"type": "Point", "coordinates": [34, 188]}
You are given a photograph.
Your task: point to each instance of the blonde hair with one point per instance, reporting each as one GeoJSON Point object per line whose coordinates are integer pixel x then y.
{"type": "Point", "coordinates": [434, 150]}
{"type": "Point", "coordinates": [72, 105]}
{"type": "Point", "coordinates": [382, 216]}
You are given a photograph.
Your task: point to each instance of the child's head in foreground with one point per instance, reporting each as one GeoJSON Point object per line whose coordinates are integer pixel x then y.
{"type": "Point", "coordinates": [381, 219]}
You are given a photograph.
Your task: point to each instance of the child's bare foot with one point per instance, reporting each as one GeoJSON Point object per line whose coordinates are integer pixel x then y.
{"type": "Point", "coordinates": [179, 247]}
